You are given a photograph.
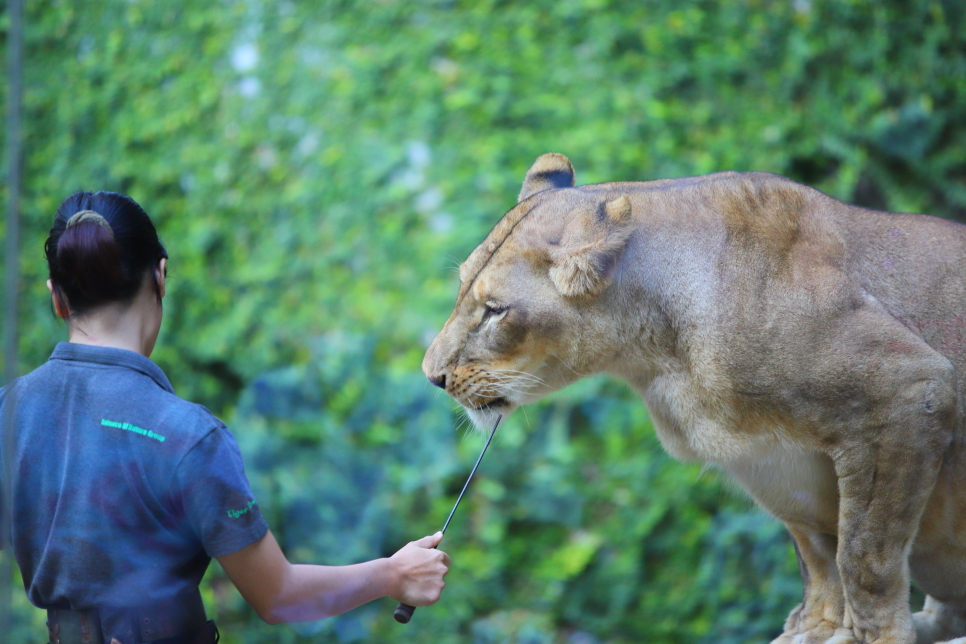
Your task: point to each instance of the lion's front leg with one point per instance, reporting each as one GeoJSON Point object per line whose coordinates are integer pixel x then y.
{"type": "Point", "coordinates": [887, 405]}
{"type": "Point", "coordinates": [822, 610]}
{"type": "Point", "coordinates": [884, 481]}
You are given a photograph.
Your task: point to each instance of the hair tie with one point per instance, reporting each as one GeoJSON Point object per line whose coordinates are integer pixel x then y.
{"type": "Point", "coordinates": [89, 215]}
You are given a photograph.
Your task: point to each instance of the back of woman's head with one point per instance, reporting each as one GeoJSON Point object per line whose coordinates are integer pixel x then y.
{"type": "Point", "coordinates": [100, 248]}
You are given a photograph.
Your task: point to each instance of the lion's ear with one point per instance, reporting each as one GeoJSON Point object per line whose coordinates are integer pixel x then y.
{"type": "Point", "coordinates": [550, 170]}
{"type": "Point", "coordinates": [585, 268]}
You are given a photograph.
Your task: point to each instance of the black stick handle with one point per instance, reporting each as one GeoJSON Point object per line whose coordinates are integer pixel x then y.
{"type": "Point", "coordinates": [403, 613]}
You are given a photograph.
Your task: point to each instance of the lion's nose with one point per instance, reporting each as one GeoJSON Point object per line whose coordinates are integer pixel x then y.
{"type": "Point", "coordinates": [439, 381]}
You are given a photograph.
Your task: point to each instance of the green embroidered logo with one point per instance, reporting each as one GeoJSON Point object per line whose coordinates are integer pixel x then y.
{"type": "Point", "coordinates": [132, 428]}
{"type": "Point", "coordinates": [234, 514]}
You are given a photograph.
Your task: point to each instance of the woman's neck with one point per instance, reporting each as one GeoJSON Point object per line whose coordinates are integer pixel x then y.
{"type": "Point", "coordinates": [133, 326]}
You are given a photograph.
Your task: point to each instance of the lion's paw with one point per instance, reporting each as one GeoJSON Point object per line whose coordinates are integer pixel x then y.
{"type": "Point", "coordinates": [819, 633]}
{"type": "Point", "coordinates": [822, 633]}
{"type": "Point", "coordinates": [842, 636]}
{"type": "Point", "coordinates": [793, 624]}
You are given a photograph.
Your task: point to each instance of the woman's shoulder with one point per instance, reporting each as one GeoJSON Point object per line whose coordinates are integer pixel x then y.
{"type": "Point", "coordinates": [15, 389]}
{"type": "Point", "coordinates": [192, 421]}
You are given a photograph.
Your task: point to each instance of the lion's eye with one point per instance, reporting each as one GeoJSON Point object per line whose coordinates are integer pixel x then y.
{"type": "Point", "coordinates": [495, 309]}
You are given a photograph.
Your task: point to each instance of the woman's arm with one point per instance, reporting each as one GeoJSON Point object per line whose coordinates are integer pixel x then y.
{"type": "Point", "coordinates": [283, 592]}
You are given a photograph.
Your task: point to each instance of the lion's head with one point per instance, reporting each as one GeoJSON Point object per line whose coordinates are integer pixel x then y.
{"type": "Point", "coordinates": [527, 319]}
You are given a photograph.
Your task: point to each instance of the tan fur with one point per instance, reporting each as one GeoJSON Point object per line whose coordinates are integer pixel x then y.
{"type": "Point", "coordinates": [814, 351]}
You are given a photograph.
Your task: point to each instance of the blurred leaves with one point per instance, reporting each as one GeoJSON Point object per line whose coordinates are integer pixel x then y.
{"type": "Point", "coordinates": [318, 170]}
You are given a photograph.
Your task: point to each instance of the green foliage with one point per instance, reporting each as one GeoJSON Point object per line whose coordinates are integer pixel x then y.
{"type": "Point", "coordinates": [318, 169]}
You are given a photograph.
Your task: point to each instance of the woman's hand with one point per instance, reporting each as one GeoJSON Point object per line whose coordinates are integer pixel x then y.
{"type": "Point", "coordinates": [418, 570]}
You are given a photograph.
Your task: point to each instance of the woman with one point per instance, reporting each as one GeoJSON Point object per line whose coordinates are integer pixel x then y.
{"type": "Point", "coordinates": [122, 492]}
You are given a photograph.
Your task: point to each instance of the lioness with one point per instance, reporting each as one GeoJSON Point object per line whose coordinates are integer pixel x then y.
{"type": "Point", "coordinates": [813, 350]}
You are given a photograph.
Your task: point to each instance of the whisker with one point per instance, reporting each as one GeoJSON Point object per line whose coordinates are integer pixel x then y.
{"type": "Point", "coordinates": [516, 379]}
{"type": "Point", "coordinates": [464, 423]}
{"type": "Point", "coordinates": [507, 389]}
{"type": "Point", "coordinates": [515, 372]}
{"type": "Point", "coordinates": [454, 263]}
{"type": "Point", "coordinates": [522, 374]}
{"type": "Point", "coordinates": [514, 387]}
{"type": "Point", "coordinates": [564, 363]}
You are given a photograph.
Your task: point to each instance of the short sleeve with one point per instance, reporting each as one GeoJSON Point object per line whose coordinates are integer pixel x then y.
{"type": "Point", "coordinates": [4, 458]}
{"type": "Point", "coordinates": [217, 500]}
{"type": "Point", "coordinates": [6, 425]}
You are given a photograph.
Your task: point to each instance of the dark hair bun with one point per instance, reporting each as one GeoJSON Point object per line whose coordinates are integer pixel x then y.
{"type": "Point", "coordinates": [99, 249]}
{"type": "Point", "coordinates": [88, 254]}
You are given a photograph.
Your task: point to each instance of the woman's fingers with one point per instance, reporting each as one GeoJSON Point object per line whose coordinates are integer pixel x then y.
{"type": "Point", "coordinates": [419, 570]}
{"type": "Point", "coordinates": [429, 541]}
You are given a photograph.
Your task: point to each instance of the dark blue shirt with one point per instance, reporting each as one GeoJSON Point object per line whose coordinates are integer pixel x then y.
{"type": "Point", "coordinates": [122, 492]}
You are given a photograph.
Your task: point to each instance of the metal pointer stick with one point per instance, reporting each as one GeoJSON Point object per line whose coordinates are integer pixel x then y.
{"type": "Point", "coordinates": [404, 612]}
